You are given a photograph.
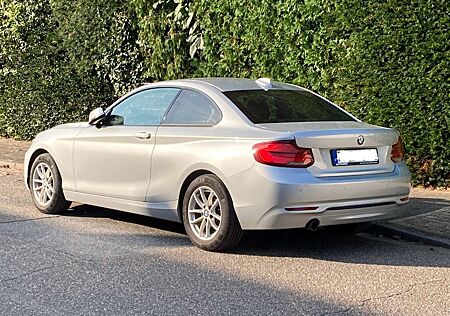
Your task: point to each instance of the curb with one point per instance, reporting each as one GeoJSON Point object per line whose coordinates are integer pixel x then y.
{"type": "Point", "coordinates": [410, 234]}
{"type": "Point", "coordinates": [11, 166]}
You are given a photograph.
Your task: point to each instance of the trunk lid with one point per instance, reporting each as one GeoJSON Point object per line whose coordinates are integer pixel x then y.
{"type": "Point", "coordinates": [325, 137]}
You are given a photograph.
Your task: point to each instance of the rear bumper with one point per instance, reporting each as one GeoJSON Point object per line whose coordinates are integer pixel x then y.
{"type": "Point", "coordinates": [281, 219]}
{"type": "Point", "coordinates": [262, 194]}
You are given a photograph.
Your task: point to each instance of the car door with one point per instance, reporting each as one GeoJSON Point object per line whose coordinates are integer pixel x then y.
{"type": "Point", "coordinates": [186, 137]}
{"type": "Point", "coordinates": [114, 159]}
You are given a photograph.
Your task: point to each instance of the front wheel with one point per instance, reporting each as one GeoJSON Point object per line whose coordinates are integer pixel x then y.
{"type": "Point", "coordinates": [46, 186]}
{"type": "Point", "coordinates": [208, 215]}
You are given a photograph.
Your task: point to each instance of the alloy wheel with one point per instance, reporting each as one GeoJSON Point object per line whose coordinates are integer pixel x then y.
{"type": "Point", "coordinates": [204, 213]}
{"type": "Point", "coordinates": [43, 184]}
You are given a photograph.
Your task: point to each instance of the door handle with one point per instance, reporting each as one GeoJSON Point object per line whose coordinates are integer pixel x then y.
{"type": "Point", "coordinates": [143, 135]}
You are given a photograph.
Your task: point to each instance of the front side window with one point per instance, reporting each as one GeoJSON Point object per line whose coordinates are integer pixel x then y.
{"type": "Point", "coordinates": [193, 108]}
{"type": "Point", "coordinates": [278, 106]}
{"type": "Point", "coordinates": [143, 108]}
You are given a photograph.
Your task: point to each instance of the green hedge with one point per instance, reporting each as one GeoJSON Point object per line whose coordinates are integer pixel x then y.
{"type": "Point", "coordinates": [39, 83]}
{"type": "Point", "coordinates": [388, 62]}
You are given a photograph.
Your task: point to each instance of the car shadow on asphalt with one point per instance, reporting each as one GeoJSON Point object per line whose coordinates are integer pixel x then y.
{"type": "Point", "coordinates": [82, 210]}
{"type": "Point", "coordinates": [361, 248]}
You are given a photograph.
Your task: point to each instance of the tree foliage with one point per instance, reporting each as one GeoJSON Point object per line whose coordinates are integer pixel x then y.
{"type": "Point", "coordinates": [388, 62]}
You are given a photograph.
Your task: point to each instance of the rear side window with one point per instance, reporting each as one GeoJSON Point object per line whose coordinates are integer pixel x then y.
{"type": "Point", "coordinates": [278, 106]}
{"type": "Point", "coordinates": [193, 108]}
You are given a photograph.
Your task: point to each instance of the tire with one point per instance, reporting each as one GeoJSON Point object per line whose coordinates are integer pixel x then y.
{"type": "Point", "coordinates": [227, 232]}
{"type": "Point", "coordinates": [54, 202]}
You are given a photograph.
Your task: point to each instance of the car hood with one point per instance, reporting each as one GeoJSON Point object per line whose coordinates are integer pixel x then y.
{"type": "Point", "coordinates": [70, 125]}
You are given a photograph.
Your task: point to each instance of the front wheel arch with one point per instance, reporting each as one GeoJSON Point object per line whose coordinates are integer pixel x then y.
{"type": "Point", "coordinates": [33, 157]}
{"type": "Point", "coordinates": [49, 184]}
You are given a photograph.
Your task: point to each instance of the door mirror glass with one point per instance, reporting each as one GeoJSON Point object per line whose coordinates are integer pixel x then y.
{"type": "Point", "coordinates": [96, 115]}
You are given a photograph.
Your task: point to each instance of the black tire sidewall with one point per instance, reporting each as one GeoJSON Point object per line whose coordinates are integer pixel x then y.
{"type": "Point", "coordinates": [227, 212]}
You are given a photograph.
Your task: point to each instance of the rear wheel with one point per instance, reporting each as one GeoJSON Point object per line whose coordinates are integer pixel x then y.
{"type": "Point", "coordinates": [208, 215]}
{"type": "Point", "coordinates": [46, 186]}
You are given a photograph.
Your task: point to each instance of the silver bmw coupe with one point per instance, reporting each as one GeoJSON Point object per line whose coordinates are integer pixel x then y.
{"type": "Point", "coordinates": [223, 155]}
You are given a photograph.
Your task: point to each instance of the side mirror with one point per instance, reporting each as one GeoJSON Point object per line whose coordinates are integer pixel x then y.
{"type": "Point", "coordinates": [96, 115]}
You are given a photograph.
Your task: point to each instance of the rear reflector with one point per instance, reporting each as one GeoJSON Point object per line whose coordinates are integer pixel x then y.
{"type": "Point", "coordinates": [283, 153]}
{"type": "Point", "coordinates": [398, 151]}
{"type": "Point", "coordinates": [306, 208]}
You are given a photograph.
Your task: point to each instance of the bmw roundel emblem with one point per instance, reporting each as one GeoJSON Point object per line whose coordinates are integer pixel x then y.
{"type": "Point", "coordinates": [360, 140]}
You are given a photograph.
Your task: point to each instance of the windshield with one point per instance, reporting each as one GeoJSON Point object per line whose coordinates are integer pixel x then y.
{"type": "Point", "coordinates": [278, 106]}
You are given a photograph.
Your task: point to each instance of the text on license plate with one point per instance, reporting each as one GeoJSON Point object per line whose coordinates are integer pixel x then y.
{"type": "Point", "coordinates": [347, 157]}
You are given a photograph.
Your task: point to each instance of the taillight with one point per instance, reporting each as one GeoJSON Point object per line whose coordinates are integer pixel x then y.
{"type": "Point", "coordinates": [398, 151]}
{"type": "Point", "coordinates": [283, 153]}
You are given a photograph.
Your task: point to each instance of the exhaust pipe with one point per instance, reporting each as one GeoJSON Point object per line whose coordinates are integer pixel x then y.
{"type": "Point", "coordinates": [313, 225]}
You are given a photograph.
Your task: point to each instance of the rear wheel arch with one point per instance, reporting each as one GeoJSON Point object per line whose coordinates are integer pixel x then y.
{"type": "Point", "coordinates": [187, 181]}
{"type": "Point", "coordinates": [207, 200]}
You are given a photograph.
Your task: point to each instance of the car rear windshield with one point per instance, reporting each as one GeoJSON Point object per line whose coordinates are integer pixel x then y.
{"type": "Point", "coordinates": [278, 106]}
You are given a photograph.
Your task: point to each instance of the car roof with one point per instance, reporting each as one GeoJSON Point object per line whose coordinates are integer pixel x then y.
{"type": "Point", "coordinates": [234, 84]}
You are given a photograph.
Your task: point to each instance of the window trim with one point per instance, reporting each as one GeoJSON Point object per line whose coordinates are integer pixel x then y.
{"type": "Point", "coordinates": [111, 108]}
{"type": "Point", "coordinates": [191, 125]}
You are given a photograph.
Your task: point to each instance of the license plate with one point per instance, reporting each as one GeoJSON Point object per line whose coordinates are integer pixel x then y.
{"type": "Point", "coordinates": [348, 157]}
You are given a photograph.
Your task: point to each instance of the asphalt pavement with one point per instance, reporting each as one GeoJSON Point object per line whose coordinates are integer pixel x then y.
{"type": "Point", "coordinates": [94, 261]}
